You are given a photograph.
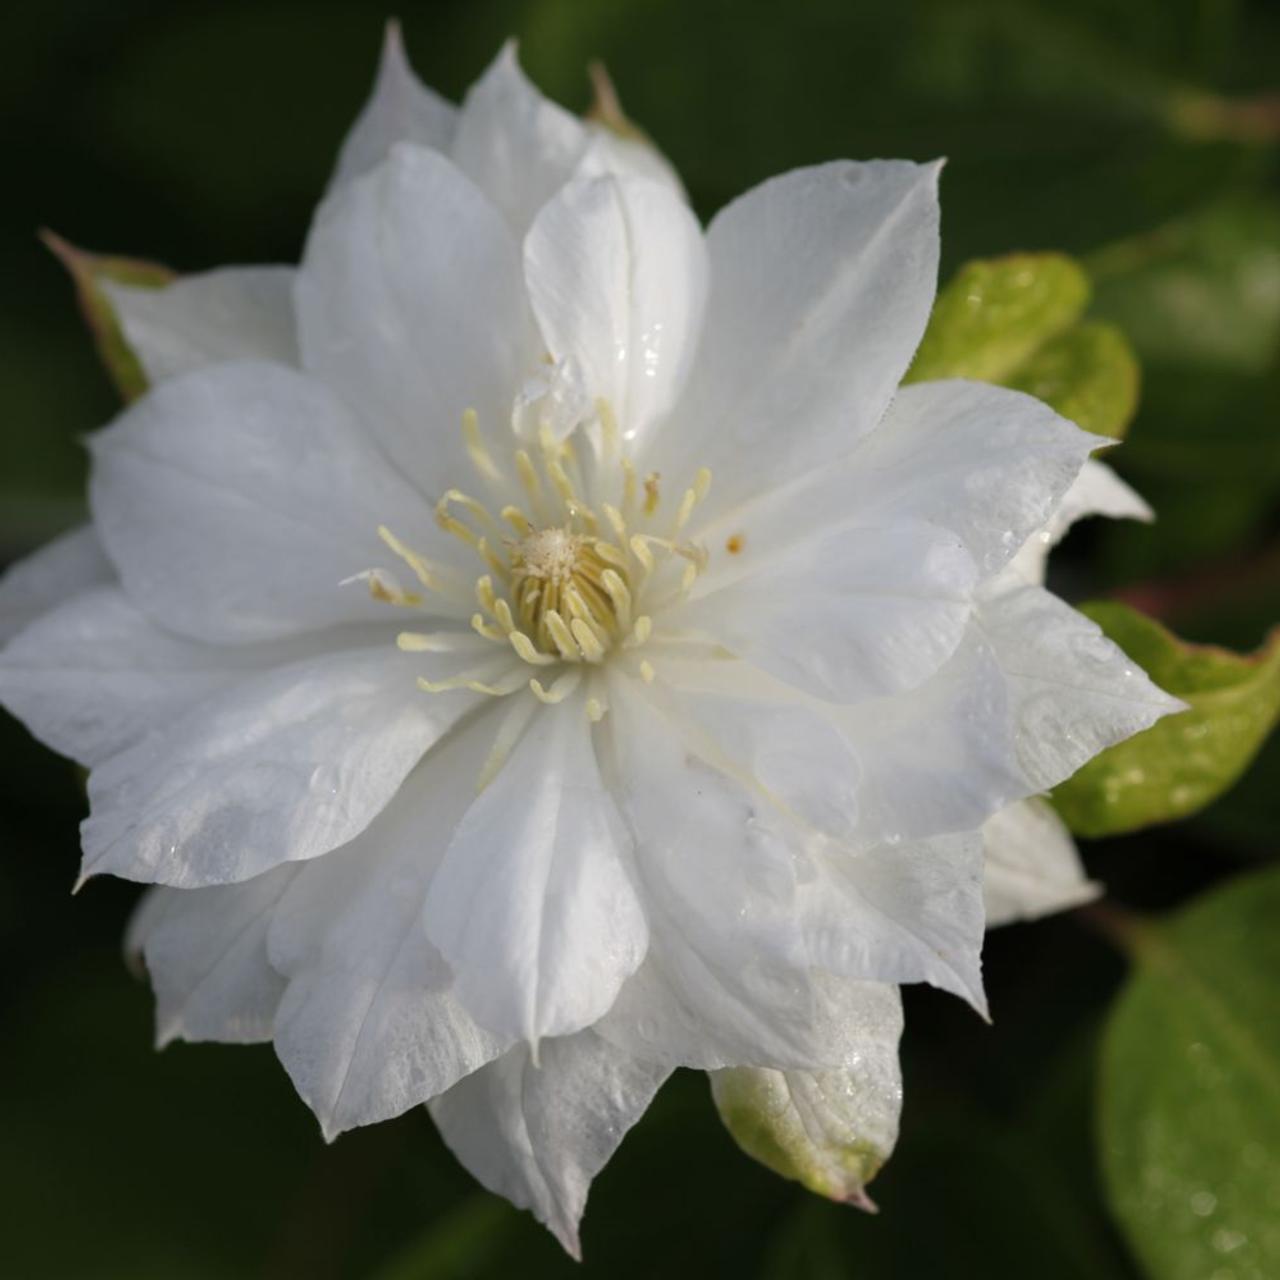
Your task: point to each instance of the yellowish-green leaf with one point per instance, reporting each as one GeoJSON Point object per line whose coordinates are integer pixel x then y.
{"type": "Point", "coordinates": [1088, 374]}
{"type": "Point", "coordinates": [1189, 1104]}
{"type": "Point", "coordinates": [1186, 761]}
{"type": "Point", "coordinates": [88, 270]}
{"type": "Point", "coordinates": [996, 313]}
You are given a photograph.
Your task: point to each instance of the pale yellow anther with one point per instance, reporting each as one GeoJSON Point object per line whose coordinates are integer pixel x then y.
{"type": "Point", "coordinates": [609, 435]}
{"type": "Point", "coordinates": [561, 483]}
{"type": "Point", "coordinates": [628, 488]}
{"type": "Point", "coordinates": [596, 710]}
{"type": "Point", "coordinates": [689, 577]}
{"type": "Point", "coordinates": [640, 632]}
{"type": "Point", "coordinates": [561, 636]}
{"type": "Point", "coordinates": [517, 520]}
{"type": "Point", "coordinates": [612, 555]}
{"type": "Point", "coordinates": [485, 597]}
{"type": "Point", "coordinates": [528, 474]}
{"type": "Point", "coordinates": [385, 589]}
{"type": "Point", "coordinates": [472, 685]}
{"type": "Point", "coordinates": [493, 560]}
{"type": "Point", "coordinates": [647, 672]}
{"type": "Point", "coordinates": [620, 594]}
{"type": "Point", "coordinates": [640, 549]}
{"type": "Point", "coordinates": [652, 492]}
{"type": "Point", "coordinates": [432, 642]}
{"type": "Point", "coordinates": [525, 649]}
{"type": "Point", "coordinates": [486, 629]}
{"type": "Point", "coordinates": [592, 649]}
{"type": "Point", "coordinates": [420, 566]}
{"type": "Point", "coordinates": [616, 522]}
{"type": "Point", "coordinates": [480, 456]}
{"type": "Point", "coordinates": [560, 688]}
{"type": "Point", "coordinates": [502, 615]}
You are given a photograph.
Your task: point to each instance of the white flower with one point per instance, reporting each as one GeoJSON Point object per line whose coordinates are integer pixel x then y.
{"type": "Point", "coordinates": [538, 644]}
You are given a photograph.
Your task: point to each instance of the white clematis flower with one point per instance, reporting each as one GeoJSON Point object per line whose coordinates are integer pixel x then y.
{"type": "Point", "coordinates": [536, 643]}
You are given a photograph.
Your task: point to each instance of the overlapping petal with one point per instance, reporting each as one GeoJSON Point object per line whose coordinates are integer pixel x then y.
{"type": "Point", "coordinates": [205, 952]}
{"type": "Point", "coordinates": [539, 1132]}
{"type": "Point", "coordinates": [73, 562]}
{"type": "Point", "coordinates": [234, 502]}
{"type": "Point", "coordinates": [1032, 867]}
{"type": "Point", "coordinates": [370, 1025]}
{"type": "Point", "coordinates": [821, 285]}
{"type": "Point", "coordinates": [617, 277]}
{"type": "Point", "coordinates": [283, 766]}
{"type": "Point", "coordinates": [400, 109]}
{"type": "Point", "coordinates": [214, 317]}
{"type": "Point", "coordinates": [848, 615]}
{"type": "Point", "coordinates": [411, 307]}
{"type": "Point", "coordinates": [534, 905]}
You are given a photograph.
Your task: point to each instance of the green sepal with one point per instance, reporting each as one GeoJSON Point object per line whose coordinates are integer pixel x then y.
{"type": "Point", "coordinates": [1186, 761]}
{"type": "Point", "coordinates": [88, 271]}
{"type": "Point", "coordinates": [1189, 1097]}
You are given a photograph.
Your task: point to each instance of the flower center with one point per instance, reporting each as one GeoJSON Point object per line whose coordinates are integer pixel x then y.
{"type": "Point", "coordinates": [564, 581]}
{"type": "Point", "coordinates": [559, 577]}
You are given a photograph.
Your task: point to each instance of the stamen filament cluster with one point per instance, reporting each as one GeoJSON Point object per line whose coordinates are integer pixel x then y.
{"type": "Point", "coordinates": [570, 582]}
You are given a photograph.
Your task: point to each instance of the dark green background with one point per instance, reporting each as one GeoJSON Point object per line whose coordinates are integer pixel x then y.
{"type": "Point", "coordinates": [201, 134]}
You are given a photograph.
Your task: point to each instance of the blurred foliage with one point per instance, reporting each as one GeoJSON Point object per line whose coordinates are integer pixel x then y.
{"type": "Point", "coordinates": [1187, 760]}
{"type": "Point", "coordinates": [1190, 1091]}
{"type": "Point", "coordinates": [1134, 135]}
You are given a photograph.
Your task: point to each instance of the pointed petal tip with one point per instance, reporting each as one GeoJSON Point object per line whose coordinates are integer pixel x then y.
{"type": "Point", "coordinates": [859, 1199]}
{"type": "Point", "coordinates": [567, 1234]}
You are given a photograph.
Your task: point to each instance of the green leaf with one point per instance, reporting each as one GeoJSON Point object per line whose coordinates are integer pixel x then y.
{"type": "Point", "coordinates": [1189, 1105]}
{"type": "Point", "coordinates": [88, 271]}
{"type": "Point", "coordinates": [1185, 761]}
{"type": "Point", "coordinates": [996, 313]}
{"type": "Point", "coordinates": [1016, 321]}
{"type": "Point", "coordinates": [1088, 374]}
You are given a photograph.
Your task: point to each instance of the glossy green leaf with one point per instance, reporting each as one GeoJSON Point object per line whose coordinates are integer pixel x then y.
{"type": "Point", "coordinates": [1190, 1090]}
{"type": "Point", "coordinates": [996, 313]}
{"type": "Point", "coordinates": [1016, 321]}
{"type": "Point", "coordinates": [1088, 374]}
{"type": "Point", "coordinates": [1185, 761]}
{"type": "Point", "coordinates": [87, 271]}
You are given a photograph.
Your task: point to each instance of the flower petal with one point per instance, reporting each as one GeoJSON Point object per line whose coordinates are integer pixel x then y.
{"type": "Point", "coordinates": [400, 109]}
{"type": "Point", "coordinates": [74, 561]}
{"type": "Point", "coordinates": [282, 767]}
{"type": "Point", "coordinates": [94, 675]}
{"type": "Point", "coordinates": [1032, 867]}
{"type": "Point", "coordinates": [411, 306]}
{"type": "Point", "coordinates": [538, 1134]}
{"type": "Point", "coordinates": [236, 313]}
{"type": "Point", "coordinates": [516, 145]}
{"type": "Point", "coordinates": [205, 952]}
{"type": "Point", "coordinates": [533, 906]}
{"type": "Point", "coordinates": [235, 501]}
{"type": "Point", "coordinates": [901, 912]}
{"type": "Point", "coordinates": [617, 275]}
{"type": "Point", "coordinates": [988, 464]}
{"type": "Point", "coordinates": [821, 285]}
{"type": "Point", "coordinates": [1097, 491]}
{"type": "Point", "coordinates": [369, 1025]}
{"type": "Point", "coordinates": [848, 615]}
{"type": "Point", "coordinates": [726, 981]}
{"type": "Point", "coordinates": [1074, 692]}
